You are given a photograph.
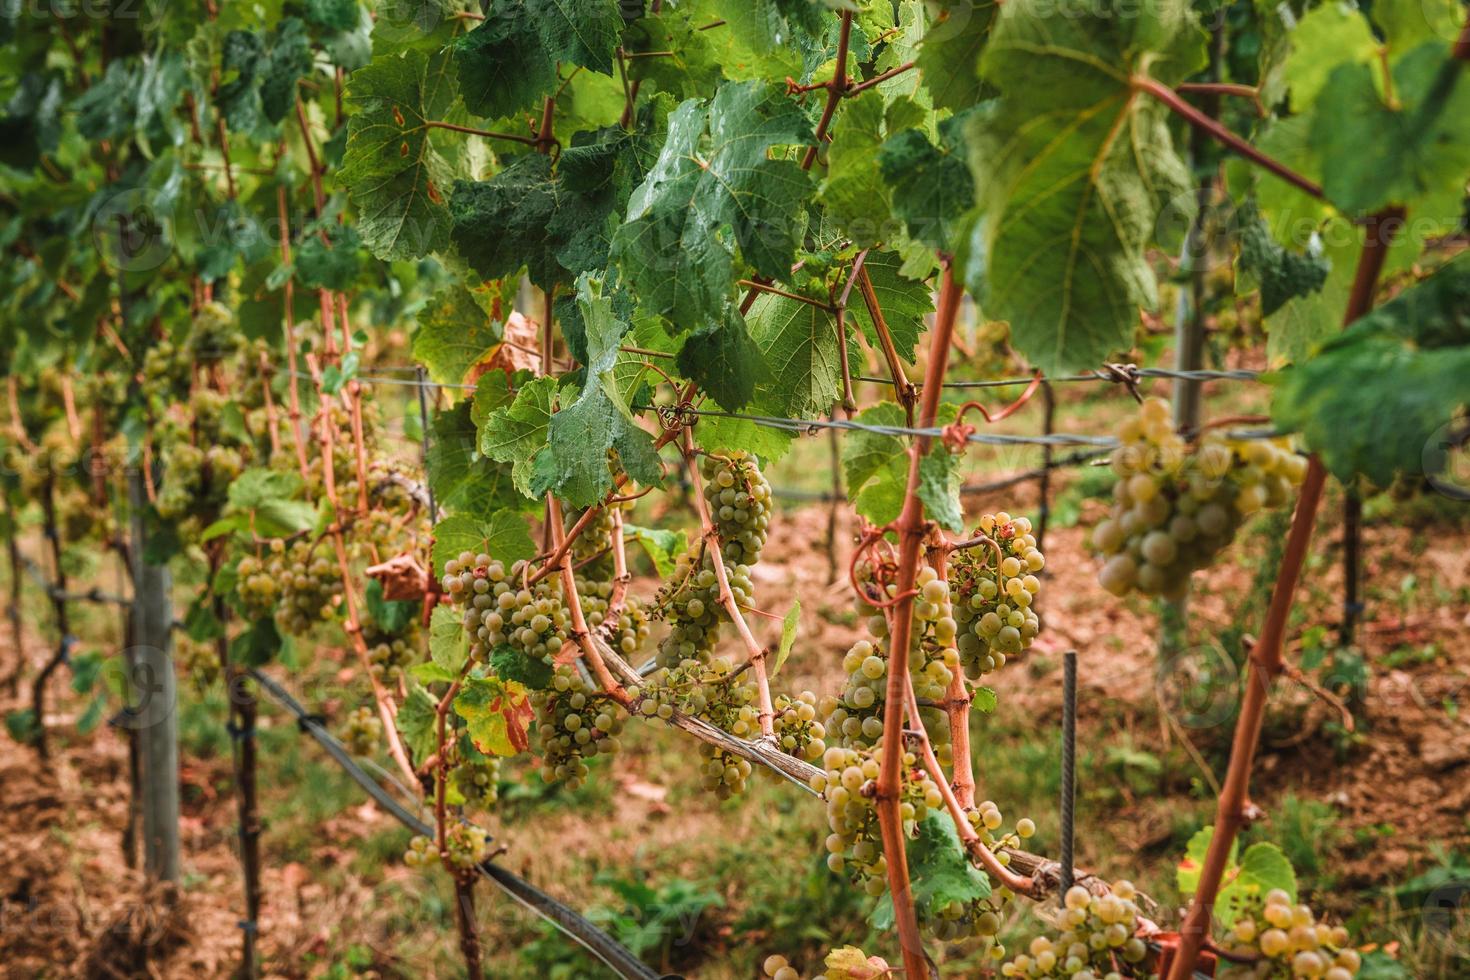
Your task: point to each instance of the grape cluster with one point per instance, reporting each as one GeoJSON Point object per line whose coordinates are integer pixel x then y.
{"type": "Point", "coordinates": [477, 781]}
{"type": "Point", "coordinates": [420, 853]}
{"type": "Point", "coordinates": [797, 730]}
{"type": "Point", "coordinates": [213, 335]}
{"type": "Point", "coordinates": [468, 845]}
{"type": "Point", "coordinates": [362, 731]}
{"type": "Point", "coordinates": [1289, 943]}
{"type": "Point", "coordinates": [309, 582]}
{"type": "Point", "coordinates": [717, 693]}
{"type": "Point", "coordinates": [196, 481]}
{"type": "Point", "coordinates": [740, 504]}
{"type": "Point", "coordinates": [167, 374]}
{"type": "Point", "coordinates": [777, 967]}
{"type": "Point", "coordinates": [629, 633]}
{"type": "Point", "coordinates": [78, 518]}
{"type": "Point", "coordinates": [854, 845]}
{"type": "Point", "coordinates": [857, 716]}
{"type": "Point", "coordinates": [1096, 939]}
{"type": "Point", "coordinates": [389, 655]}
{"type": "Point", "coordinates": [255, 587]}
{"type": "Point", "coordinates": [996, 588]}
{"type": "Point", "coordinates": [1174, 510]}
{"type": "Point", "coordinates": [501, 610]}
{"type": "Point", "coordinates": [197, 661]}
{"type": "Point", "coordinates": [573, 723]}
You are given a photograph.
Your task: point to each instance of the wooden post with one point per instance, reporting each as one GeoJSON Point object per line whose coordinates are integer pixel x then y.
{"type": "Point", "coordinates": [153, 713]}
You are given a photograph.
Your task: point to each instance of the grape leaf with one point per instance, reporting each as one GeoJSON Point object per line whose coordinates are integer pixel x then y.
{"type": "Point", "coordinates": [416, 723]}
{"type": "Point", "coordinates": [789, 624]}
{"type": "Point", "coordinates": [390, 168]}
{"type": "Point", "coordinates": [723, 360]}
{"type": "Point", "coordinates": [660, 544]}
{"type": "Point", "coordinates": [715, 434]}
{"type": "Point", "coordinates": [1327, 36]}
{"type": "Point", "coordinates": [713, 194]}
{"type": "Point", "coordinates": [1406, 149]}
{"type": "Point", "coordinates": [516, 433]}
{"type": "Point", "coordinates": [267, 66]}
{"type": "Point", "coordinates": [1069, 200]}
{"type": "Point", "coordinates": [940, 871]}
{"type": "Point", "coordinates": [512, 665]}
{"type": "Point", "coordinates": [799, 343]}
{"type": "Point", "coordinates": [460, 478]}
{"type": "Point", "coordinates": [931, 185]}
{"type": "Point", "coordinates": [496, 714]}
{"type": "Point", "coordinates": [904, 303]}
{"type": "Point", "coordinates": [333, 264]}
{"type": "Point", "coordinates": [509, 61]}
{"type": "Point", "coordinates": [454, 333]}
{"type": "Point", "coordinates": [1264, 263]}
{"type": "Point", "coordinates": [856, 198]}
{"type": "Point", "coordinates": [949, 55]}
{"type": "Point", "coordinates": [1373, 398]}
{"type": "Point", "coordinates": [502, 536]}
{"type": "Point", "coordinates": [1245, 883]}
{"type": "Point", "coordinates": [574, 464]}
{"type": "Point", "coordinates": [1187, 874]}
{"type": "Point", "coordinates": [876, 468]}
{"type": "Point", "coordinates": [447, 646]}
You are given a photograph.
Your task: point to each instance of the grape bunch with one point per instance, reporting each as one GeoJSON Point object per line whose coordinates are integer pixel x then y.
{"type": "Point", "coordinates": [500, 609]}
{"type": "Point", "coordinates": [629, 633]}
{"type": "Point", "coordinates": [255, 587]}
{"type": "Point", "coordinates": [854, 845]}
{"type": "Point", "coordinates": [309, 582]}
{"type": "Point", "coordinates": [857, 716]}
{"type": "Point", "coordinates": [776, 967]}
{"type": "Point", "coordinates": [690, 604]}
{"type": "Point", "coordinates": [167, 373]}
{"type": "Point", "coordinates": [797, 730]}
{"type": "Point", "coordinates": [362, 731]}
{"type": "Point", "coordinates": [1095, 940]}
{"type": "Point", "coordinates": [1287, 942]}
{"type": "Point", "coordinates": [468, 845]}
{"type": "Point", "coordinates": [477, 781]}
{"type": "Point", "coordinates": [740, 504]}
{"type": "Point", "coordinates": [573, 723]}
{"type": "Point", "coordinates": [1174, 510]}
{"type": "Point", "coordinates": [390, 655]}
{"type": "Point", "coordinates": [715, 692]}
{"type": "Point", "coordinates": [213, 334]}
{"type": "Point", "coordinates": [995, 588]}
{"type": "Point", "coordinates": [197, 661]}
{"type": "Point", "coordinates": [420, 853]}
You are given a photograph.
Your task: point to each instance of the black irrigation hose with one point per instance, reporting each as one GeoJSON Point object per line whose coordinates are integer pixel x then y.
{"type": "Point", "coordinates": [617, 957]}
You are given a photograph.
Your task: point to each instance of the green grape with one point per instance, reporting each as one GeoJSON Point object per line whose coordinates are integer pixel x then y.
{"type": "Point", "coordinates": [1283, 941]}
{"type": "Point", "coordinates": [502, 608]}
{"type": "Point", "coordinates": [574, 722]}
{"type": "Point", "coordinates": [995, 589]}
{"type": "Point", "coordinates": [1095, 937]}
{"type": "Point", "coordinates": [467, 845]}
{"type": "Point", "coordinates": [255, 587]}
{"type": "Point", "coordinates": [478, 781]}
{"type": "Point", "coordinates": [362, 731]}
{"type": "Point", "coordinates": [420, 853]}
{"type": "Point", "coordinates": [1174, 510]}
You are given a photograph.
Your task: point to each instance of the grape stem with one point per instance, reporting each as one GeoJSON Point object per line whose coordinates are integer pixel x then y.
{"type": "Point", "coordinates": [580, 633]}
{"type": "Point", "coordinates": [903, 389]}
{"type": "Point", "coordinates": [293, 395]}
{"type": "Point", "coordinates": [756, 652]}
{"type": "Point", "coordinates": [1266, 656]}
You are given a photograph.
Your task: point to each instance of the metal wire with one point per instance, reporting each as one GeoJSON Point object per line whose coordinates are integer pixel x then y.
{"type": "Point", "coordinates": [618, 958]}
{"type": "Point", "coordinates": [1201, 375]}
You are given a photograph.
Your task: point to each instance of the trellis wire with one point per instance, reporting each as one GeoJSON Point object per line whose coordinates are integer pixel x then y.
{"type": "Point", "coordinates": [616, 956]}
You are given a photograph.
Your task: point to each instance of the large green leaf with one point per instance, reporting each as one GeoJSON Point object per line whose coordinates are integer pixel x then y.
{"type": "Point", "coordinates": [266, 67]}
{"type": "Point", "coordinates": [904, 303]}
{"type": "Point", "coordinates": [949, 57]}
{"type": "Point", "coordinates": [931, 185]}
{"type": "Point", "coordinates": [1075, 167]}
{"type": "Point", "coordinates": [462, 478]}
{"type": "Point", "coordinates": [942, 873]}
{"type": "Point", "coordinates": [391, 169]}
{"type": "Point", "coordinates": [1374, 399]}
{"type": "Point", "coordinates": [454, 333]}
{"type": "Point", "coordinates": [503, 536]}
{"type": "Point", "coordinates": [714, 194]}
{"type": "Point", "coordinates": [515, 433]}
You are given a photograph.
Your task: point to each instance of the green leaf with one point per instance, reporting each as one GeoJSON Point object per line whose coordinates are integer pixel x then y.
{"type": "Point", "coordinates": [856, 198]}
{"type": "Point", "coordinates": [333, 264]}
{"type": "Point", "coordinates": [460, 477]}
{"type": "Point", "coordinates": [904, 303]}
{"type": "Point", "coordinates": [512, 665]}
{"type": "Point", "coordinates": [1409, 150]}
{"type": "Point", "coordinates": [715, 434]}
{"type": "Point", "coordinates": [984, 700]}
{"type": "Point", "coordinates": [429, 672]}
{"type": "Point", "coordinates": [257, 645]}
{"type": "Point", "coordinates": [516, 433]}
{"type": "Point", "coordinates": [447, 641]}
{"type": "Point", "coordinates": [940, 871]}
{"type": "Point", "coordinates": [1187, 874]}
{"type": "Point", "coordinates": [267, 66]}
{"type": "Point", "coordinates": [789, 624]}
{"type": "Point", "coordinates": [931, 185]}
{"type": "Point", "coordinates": [496, 714]}
{"type": "Point", "coordinates": [454, 334]}
{"type": "Point", "coordinates": [1069, 201]}
{"type": "Point", "coordinates": [723, 360]}
{"type": "Point", "coordinates": [509, 61]}
{"type": "Point", "coordinates": [799, 343]}
{"type": "Point", "coordinates": [502, 536]}
{"type": "Point", "coordinates": [574, 464]}
{"type": "Point", "coordinates": [1327, 36]}
{"type": "Point", "coordinates": [949, 56]}
{"type": "Point", "coordinates": [263, 499]}
{"type": "Point", "coordinates": [391, 170]}
{"type": "Point", "coordinates": [875, 466]}
{"type": "Point", "coordinates": [1373, 399]}
{"type": "Point", "coordinates": [1280, 274]}
{"type": "Point", "coordinates": [661, 545]}
{"type": "Point", "coordinates": [1262, 868]}
{"type": "Point", "coordinates": [939, 487]}
{"type": "Point", "coordinates": [417, 723]}
{"type": "Point", "coordinates": [388, 615]}
{"type": "Point", "coordinates": [716, 193]}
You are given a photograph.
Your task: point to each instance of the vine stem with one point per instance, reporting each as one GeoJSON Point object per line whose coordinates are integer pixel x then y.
{"type": "Point", "coordinates": [580, 633]}
{"type": "Point", "coordinates": [957, 709]}
{"type": "Point", "coordinates": [63, 622]}
{"type": "Point", "coordinates": [903, 389]}
{"type": "Point", "coordinates": [292, 394]}
{"type": "Point", "coordinates": [836, 88]}
{"type": "Point", "coordinates": [756, 652]}
{"type": "Point", "coordinates": [1202, 121]}
{"type": "Point", "coordinates": [911, 528]}
{"type": "Point", "coordinates": [1266, 656]}
{"type": "Point", "coordinates": [621, 575]}
{"type": "Point", "coordinates": [353, 626]}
